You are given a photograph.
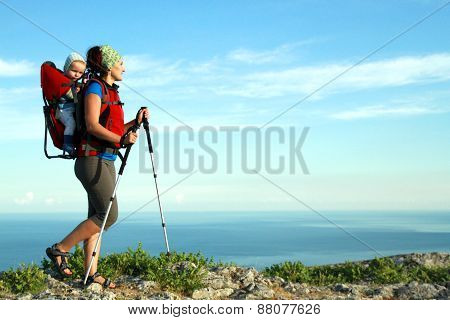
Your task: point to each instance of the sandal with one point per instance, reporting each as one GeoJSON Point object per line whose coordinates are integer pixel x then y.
{"type": "Point", "coordinates": [53, 252]}
{"type": "Point", "coordinates": [105, 284]}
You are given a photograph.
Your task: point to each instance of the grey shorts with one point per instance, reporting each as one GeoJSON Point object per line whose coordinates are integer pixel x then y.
{"type": "Point", "coordinates": [98, 177]}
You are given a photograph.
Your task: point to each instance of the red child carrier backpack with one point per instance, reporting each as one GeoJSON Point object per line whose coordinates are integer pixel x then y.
{"type": "Point", "coordinates": [54, 85]}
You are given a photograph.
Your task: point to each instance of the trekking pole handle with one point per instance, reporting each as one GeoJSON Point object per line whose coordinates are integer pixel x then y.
{"type": "Point", "coordinates": [144, 119]}
{"type": "Point", "coordinates": [147, 131]}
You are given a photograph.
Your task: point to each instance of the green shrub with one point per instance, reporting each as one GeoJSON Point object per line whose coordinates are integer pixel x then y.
{"type": "Point", "coordinates": [379, 271]}
{"type": "Point", "coordinates": [330, 274]}
{"type": "Point", "coordinates": [430, 275]}
{"type": "Point", "coordinates": [131, 263]}
{"type": "Point", "coordinates": [290, 271]}
{"type": "Point", "coordinates": [385, 271]}
{"type": "Point", "coordinates": [181, 272]}
{"type": "Point", "coordinates": [25, 279]}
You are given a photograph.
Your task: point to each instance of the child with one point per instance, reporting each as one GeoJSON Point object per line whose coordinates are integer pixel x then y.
{"type": "Point", "coordinates": [73, 69]}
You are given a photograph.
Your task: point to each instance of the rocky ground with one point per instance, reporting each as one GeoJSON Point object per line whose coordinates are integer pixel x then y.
{"type": "Point", "coordinates": [247, 283]}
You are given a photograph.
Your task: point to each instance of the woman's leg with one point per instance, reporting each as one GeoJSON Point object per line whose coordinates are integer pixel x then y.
{"type": "Point", "coordinates": [98, 179]}
{"type": "Point", "coordinates": [85, 230]}
{"type": "Point", "coordinates": [89, 246]}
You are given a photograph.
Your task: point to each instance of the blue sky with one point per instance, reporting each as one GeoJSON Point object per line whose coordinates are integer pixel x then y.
{"type": "Point", "coordinates": [378, 137]}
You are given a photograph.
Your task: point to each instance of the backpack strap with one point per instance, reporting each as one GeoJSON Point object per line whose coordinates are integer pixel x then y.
{"type": "Point", "coordinates": [105, 93]}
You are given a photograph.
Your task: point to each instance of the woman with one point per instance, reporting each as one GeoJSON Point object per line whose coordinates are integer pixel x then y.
{"type": "Point", "coordinates": [94, 167]}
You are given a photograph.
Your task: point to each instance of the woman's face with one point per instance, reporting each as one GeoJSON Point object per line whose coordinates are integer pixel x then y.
{"type": "Point", "coordinates": [117, 70]}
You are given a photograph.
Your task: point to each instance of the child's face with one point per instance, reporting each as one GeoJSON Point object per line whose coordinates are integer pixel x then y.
{"type": "Point", "coordinates": [75, 70]}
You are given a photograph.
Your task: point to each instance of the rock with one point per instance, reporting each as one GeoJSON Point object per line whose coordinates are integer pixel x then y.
{"type": "Point", "coordinates": [183, 266]}
{"type": "Point", "coordinates": [224, 271]}
{"type": "Point", "coordinates": [260, 293]}
{"type": "Point", "coordinates": [218, 281]}
{"type": "Point", "coordinates": [267, 282]}
{"type": "Point", "coordinates": [223, 293]}
{"type": "Point", "coordinates": [239, 295]}
{"type": "Point", "coordinates": [211, 294]}
{"type": "Point", "coordinates": [233, 282]}
{"type": "Point", "coordinates": [203, 294]}
{"type": "Point", "coordinates": [95, 288]}
{"type": "Point", "coordinates": [108, 295]}
{"type": "Point", "coordinates": [52, 283]}
{"type": "Point", "coordinates": [356, 292]}
{"type": "Point", "coordinates": [385, 292]}
{"type": "Point", "coordinates": [278, 280]}
{"type": "Point", "coordinates": [44, 295]}
{"type": "Point", "coordinates": [291, 287]}
{"type": "Point", "coordinates": [416, 291]}
{"type": "Point", "coordinates": [248, 277]}
{"type": "Point", "coordinates": [342, 288]}
{"type": "Point", "coordinates": [304, 291]}
{"type": "Point", "coordinates": [431, 259]}
{"type": "Point", "coordinates": [162, 296]}
{"type": "Point", "coordinates": [250, 287]}
{"type": "Point", "coordinates": [103, 295]}
{"type": "Point", "coordinates": [257, 292]}
{"type": "Point", "coordinates": [447, 285]}
{"type": "Point", "coordinates": [229, 270]}
{"type": "Point", "coordinates": [147, 285]}
{"type": "Point", "coordinates": [443, 292]}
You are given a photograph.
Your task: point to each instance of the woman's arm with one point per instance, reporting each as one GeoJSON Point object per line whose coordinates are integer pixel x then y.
{"type": "Point", "coordinates": [128, 125]}
{"type": "Point", "coordinates": [92, 106]}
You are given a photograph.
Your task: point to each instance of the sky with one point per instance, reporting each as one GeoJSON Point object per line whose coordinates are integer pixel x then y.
{"type": "Point", "coordinates": [352, 96]}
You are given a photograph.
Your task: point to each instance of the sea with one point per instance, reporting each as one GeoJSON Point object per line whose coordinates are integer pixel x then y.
{"type": "Point", "coordinates": [252, 239]}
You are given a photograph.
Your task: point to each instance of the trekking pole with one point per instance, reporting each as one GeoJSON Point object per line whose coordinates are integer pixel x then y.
{"type": "Point", "coordinates": [150, 148]}
{"type": "Point", "coordinates": [134, 128]}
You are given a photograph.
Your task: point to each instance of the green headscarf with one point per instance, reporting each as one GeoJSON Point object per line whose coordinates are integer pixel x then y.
{"type": "Point", "coordinates": [109, 56]}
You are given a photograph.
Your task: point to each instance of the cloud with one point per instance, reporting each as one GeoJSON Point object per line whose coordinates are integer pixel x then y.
{"type": "Point", "coordinates": [225, 76]}
{"type": "Point", "coordinates": [26, 199]}
{"type": "Point", "coordinates": [373, 75]}
{"type": "Point", "coordinates": [281, 54]}
{"type": "Point", "coordinates": [22, 125]}
{"type": "Point", "coordinates": [16, 68]}
{"type": "Point", "coordinates": [253, 57]}
{"type": "Point", "coordinates": [381, 110]}
{"type": "Point", "coordinates": [22, 108]}
{"type": "Point", "coordinates": [145, 71]}
{"type": "Point", "coordinates": [18, 97]}
{"type": "Point", "coordinates": [50, 201]}
{"type": "Point", "coordinates": [179, 198]}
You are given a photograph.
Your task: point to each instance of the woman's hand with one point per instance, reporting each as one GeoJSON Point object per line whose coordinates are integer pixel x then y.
{"type": "Point", "coordinates": [130, 138]}
{"type": "Point", "coordinates": [143, 113]}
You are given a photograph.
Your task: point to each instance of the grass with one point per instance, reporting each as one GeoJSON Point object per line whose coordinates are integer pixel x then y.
{"type": "Point", "coordinates": [179, 272]}
{"type": "Point", "coordinates": [378, 271]}
{"type": "Point", "coordinates": [185, 272]}
{"type": "Point", "coordinates": [25, 279]}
